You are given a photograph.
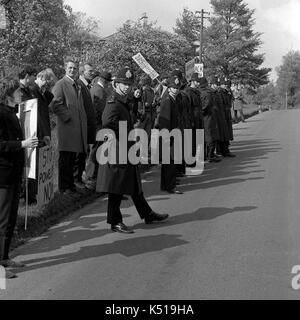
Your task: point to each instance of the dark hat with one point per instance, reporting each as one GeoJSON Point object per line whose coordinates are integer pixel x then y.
{"type": "Point", "coordinates": [125, 75]}
{"type": "Point", "coordinates": [203, 82]}
{"type": "Point", "coordinates": [174, 82]}
{"type": "Point", "coordinates": [105, 75]}
{"type": "Point", "coordinates": [195, 77]}
{"type": "Point", "coordinates": [177, 73]}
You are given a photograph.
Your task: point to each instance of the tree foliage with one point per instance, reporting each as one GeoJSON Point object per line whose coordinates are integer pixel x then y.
{"type": "Point", "coordinates": [232, 45]}
{"type": "Point", "coordinates": [42, 33]}
{"type": "Point", "coordinates": [163, 50]}
{"type": "Point", "coordinates": [288, 83]}
{"type": "Point", "coordinates": [229, 43]}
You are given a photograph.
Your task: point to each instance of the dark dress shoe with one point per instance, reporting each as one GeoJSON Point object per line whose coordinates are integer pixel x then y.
{"type": "Point", "coordinates": [214, 160]}
{"type": "Point", "coordinates": [121, 227]}
{"type": "Point", "coordinates": [174, 191]}
{"type": "Point", "coordinates": [156, 217]}
{"type": "Point", "coordinates": [124, 198]}
{"type": "Point", "coordinates": [230, 155]}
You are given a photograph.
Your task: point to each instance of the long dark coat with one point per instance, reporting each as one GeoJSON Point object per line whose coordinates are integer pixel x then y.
{"type": "Point", "coordinates": [12, 155]}
{"type": "Point", "coordinates": [44, 100]}
{"type": "Point", "coordinates": [196, 107]}
{"type": "Point", "coordinates": [228, 101]}
{"type": "Point", "coordinates": [118, 178]}
{"type": "Point", "coordinates": [90, 112]}
{"type": "Point", "coordinates": [67, 104]}
{"type": "Point", "coordinates": [185, 116]}
{"type": "Point", "coordinates": [219, 108]}
{"type": "Point", "coordinates": [99, 97]}
{"type": "Point", "coordinates": [211, 133]}
{"type": "Point", "coordinates": [168, 119]}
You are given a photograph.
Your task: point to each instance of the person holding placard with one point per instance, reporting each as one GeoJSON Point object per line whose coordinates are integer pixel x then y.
{"type": "Point", "coordinates": [12, 160]}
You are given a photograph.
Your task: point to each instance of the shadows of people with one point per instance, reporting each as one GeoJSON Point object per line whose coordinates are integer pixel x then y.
{"type": "Point", "coordinates": [130, 246]}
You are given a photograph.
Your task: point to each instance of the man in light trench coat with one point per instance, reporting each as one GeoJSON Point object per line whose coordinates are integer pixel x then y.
{"type": "Point", "coordinates": [68, 105]}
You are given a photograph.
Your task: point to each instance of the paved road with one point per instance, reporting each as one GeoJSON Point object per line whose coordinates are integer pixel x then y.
{"type": "Point", "coordinates": [234, 234]}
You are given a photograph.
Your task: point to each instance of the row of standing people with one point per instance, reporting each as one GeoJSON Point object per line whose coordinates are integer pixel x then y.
{"type": "Point", "coordinates": [82, 109]}
{"type": "Point", "coordinates": [192, 106]}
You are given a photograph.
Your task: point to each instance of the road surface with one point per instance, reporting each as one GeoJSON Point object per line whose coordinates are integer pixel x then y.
{"type": "Point", "coordinates": [233, 234]}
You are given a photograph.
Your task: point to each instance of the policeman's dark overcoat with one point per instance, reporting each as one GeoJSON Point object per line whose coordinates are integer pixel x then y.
{"type": "Point", "coordinates": [228, 101]}
{"type": "Point", "coordinates": [219, 108]}
{"type": "Point", "coordinates": [209, 119]}
{"type": "Point", "coordinates": [118, 178]}
{"type": "Point", "coordinates": [168, 118]}
{"type": "Point", "coordinates": [196, 107]}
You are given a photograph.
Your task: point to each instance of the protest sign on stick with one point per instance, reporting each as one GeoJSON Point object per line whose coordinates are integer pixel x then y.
{"type": "Point", "coordinates": [28, 120]}
{"type": "Point", "coordinates": [145, 66]}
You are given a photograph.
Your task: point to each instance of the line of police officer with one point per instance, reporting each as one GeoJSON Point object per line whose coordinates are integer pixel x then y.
{"type": "Point", "coordinates": [196, 106]}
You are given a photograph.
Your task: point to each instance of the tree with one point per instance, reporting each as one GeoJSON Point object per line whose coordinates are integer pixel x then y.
{"type": "Point", "coordinates": [188, 26]}
{"type": "Point", "coordinates": [37, 33]}
{"type": "Point", "coordinates": [41, 33]}
{"type": "Point", "coordinates": [163, 50]}
{"type": "Point", "coordinates": [266, 95]}
{"type": "Point", "coordinates": [288, 82]}
{"type": "Point", "coordinates": [231, 49]}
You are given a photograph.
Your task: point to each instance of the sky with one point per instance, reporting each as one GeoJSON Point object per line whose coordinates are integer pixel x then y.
{"type": "Point", "coordinates": [278, 20]}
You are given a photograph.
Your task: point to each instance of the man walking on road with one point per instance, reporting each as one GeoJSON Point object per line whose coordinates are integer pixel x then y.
{"type": "Point", "coordinates": [119, 179]}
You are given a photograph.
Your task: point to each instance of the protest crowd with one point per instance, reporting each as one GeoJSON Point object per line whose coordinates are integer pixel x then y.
{"type": "Point", "coordinates": [85, 101]}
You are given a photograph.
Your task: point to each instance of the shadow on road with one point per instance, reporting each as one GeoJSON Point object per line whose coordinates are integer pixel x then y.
{"type": "Point", "coordinates": [128, 247]}
{"type": "Point", "coordinates": [86, 226]}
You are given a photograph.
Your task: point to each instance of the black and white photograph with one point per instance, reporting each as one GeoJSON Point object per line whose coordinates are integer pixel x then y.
{"type": "Point", "coordinates": [161, 167]}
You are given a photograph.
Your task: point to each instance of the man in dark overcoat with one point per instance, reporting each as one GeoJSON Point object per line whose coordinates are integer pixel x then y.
{"type": "Point", "coordinates": [228, 102]}
{"type": "Point", "coordinates": [99, 95]}
{"type": "Point", "coordinates": [211, 134]}
{"type": "Point", "coordinates": [196, 108]}
{"type": "Point", "coordinates": [168, 119]}
{"type": "Point", "coordinates": [68, 105]}
{"type": "Point", "coordinates": [219, 108]}
{"type": "Point", "coordinates": [86, 71]}
{"type": "Point", "coordinates": [118, 179]}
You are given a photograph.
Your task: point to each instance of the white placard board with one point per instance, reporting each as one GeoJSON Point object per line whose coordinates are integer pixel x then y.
{"type": "Point", "coordinates": [145, 66]}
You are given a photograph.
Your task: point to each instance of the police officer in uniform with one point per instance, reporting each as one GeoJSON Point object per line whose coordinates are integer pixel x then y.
{"type": "Point", "coordinates": [168, 119]}
{"type": "Point", "coordinates": [119, 179]}
{"type": "Point", "coordinates": [195, 108]}
{"type": "Point", "coordinates": [211, 133]}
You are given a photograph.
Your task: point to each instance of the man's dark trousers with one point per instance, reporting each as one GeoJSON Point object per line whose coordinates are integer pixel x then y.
{"type": "Point", "coordinates": [66, 165]}
{"type": "Point", "coordinates": [9, 204]}
{"type": "Point", "coordinates": [114, 215]}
